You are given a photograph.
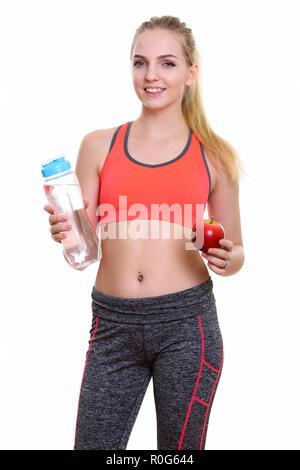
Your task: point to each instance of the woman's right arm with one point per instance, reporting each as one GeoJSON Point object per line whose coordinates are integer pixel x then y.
{"type": "Point", "coordinates": [92, 152]}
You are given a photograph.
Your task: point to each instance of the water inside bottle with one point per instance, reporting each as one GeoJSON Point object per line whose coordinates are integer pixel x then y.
{"type": "Point", "coordinates": [81, 245]}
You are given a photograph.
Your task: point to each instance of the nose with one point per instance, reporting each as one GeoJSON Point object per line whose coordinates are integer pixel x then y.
{"type": "Point", "coordinates": [151, 73]}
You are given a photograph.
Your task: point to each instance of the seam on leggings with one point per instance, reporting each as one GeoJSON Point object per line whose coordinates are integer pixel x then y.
{"type": "Point", "coordinates": [211, 395]}
{"type": "Point", "coordinates": [146, 320]}
{"type": "Point", "coordinates": [86, 360]}
{"type": "Point", "coordinates": [201, 401]}
{"type": "Point", "coordinates": [211, 367]}
{"type": "Point", "coordinates": [144, 344]}
{"type": "Point", "coordinates": [133, 409]}
{"type": "Point", "coordinates": [197, 381]}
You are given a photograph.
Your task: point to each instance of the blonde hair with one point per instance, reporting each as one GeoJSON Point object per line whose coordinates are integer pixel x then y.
{"type": "Point", "coordinates": [222, 154]}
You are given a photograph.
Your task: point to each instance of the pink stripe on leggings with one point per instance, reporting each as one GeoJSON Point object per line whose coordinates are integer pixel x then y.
{"type": "Point", "coordinates": [198, 378]}
{"type": "Point", "coordinates": [212, 395]}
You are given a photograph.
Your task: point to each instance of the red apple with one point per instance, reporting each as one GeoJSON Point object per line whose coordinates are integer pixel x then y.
{"type": "Point", "coordinates": [213, 232]}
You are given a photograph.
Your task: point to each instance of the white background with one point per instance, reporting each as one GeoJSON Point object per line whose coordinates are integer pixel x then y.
{"type": "Point", "coordinates": [66, 72]}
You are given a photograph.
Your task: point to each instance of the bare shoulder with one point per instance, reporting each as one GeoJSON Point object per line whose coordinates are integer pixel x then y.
{"type": "Point", "coordinates": [99, 142]}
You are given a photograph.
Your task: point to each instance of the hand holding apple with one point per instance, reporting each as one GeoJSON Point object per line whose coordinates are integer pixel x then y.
{"type": "Point", "coordinates": [218, 258]}
{"type": "Point", "coordinates": [213, 239]}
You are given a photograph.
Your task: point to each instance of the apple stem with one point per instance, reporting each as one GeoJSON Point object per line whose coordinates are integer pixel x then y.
{"type": "Point", "coordinates": [211, 220]}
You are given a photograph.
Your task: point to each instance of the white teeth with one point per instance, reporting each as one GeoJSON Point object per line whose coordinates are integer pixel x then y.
{"type": "Point", "coordinates": [154, 90]}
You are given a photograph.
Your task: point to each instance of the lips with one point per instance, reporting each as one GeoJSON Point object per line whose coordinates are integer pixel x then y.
{"type": "Point", "coordinates": [155, 87]}
{"type": "Point", "coordinates": [154, 94]}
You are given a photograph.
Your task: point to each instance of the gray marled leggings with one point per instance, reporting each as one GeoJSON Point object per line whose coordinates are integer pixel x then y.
{"type": "Point", "coordinates": [174, 338]}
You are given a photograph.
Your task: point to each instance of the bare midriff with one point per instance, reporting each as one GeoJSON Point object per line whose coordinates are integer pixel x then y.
{"type": "Point", "coordinates": [150, 265]}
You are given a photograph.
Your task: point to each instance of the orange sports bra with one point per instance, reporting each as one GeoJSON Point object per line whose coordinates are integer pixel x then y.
{"type": "Point", "coordinates": [175, 191]}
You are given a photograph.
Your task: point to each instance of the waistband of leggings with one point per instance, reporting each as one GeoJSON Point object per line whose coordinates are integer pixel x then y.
{"type": "Point", "coordinates": [173, 306]}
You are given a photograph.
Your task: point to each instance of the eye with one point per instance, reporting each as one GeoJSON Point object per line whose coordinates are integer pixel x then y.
{"type": "Point", "coordinates": [140, 62]}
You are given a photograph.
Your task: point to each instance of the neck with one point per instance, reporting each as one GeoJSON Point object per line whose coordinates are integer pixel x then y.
{"type": "Point", "coordinates": [160, 124]}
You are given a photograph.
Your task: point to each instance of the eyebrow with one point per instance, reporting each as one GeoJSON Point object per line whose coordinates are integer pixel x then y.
{"type": "Point", "coordinates": [159, 57]}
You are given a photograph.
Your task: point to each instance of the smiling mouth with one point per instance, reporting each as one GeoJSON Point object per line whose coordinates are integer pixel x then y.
{"type": "Point", "coordinates": [155, 93]}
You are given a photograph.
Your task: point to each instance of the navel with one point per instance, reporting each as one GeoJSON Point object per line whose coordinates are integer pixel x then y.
{"type": "Point", "coordinates": [140, 278]}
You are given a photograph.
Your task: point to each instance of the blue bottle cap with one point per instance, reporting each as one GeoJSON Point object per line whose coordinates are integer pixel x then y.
{"type": "Point", "coordinates": [52, 167]}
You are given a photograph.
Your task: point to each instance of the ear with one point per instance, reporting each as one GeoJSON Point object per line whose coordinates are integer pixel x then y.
{"type": "Point", "coordinates": [192, 75]}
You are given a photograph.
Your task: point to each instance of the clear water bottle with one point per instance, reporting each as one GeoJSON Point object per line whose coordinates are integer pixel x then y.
{"type": "Point", "coordinates": [81, 245]}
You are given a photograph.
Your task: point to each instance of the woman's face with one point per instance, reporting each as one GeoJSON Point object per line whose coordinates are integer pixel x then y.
{"type": "Point", "coordinates": [149, 70]}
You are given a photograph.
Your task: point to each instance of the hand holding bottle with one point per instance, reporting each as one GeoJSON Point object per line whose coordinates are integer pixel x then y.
{"type": "Point", "coordinates": [59, 223]}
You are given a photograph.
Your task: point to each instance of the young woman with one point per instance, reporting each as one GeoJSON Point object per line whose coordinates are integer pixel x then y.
{"type": "Point", "coordinates": [154, 311]}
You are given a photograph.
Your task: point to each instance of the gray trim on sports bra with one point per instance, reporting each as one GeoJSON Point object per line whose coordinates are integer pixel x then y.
{"type": "Point", "coordinates": [158, 164]}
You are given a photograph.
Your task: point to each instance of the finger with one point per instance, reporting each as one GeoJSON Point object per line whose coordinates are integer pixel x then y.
{"type": "Point", "coordinates": [216, 261]}
{"type": "Point", "coordinates": [60, 227]}
{"type": "Point", "coordinates": [228, 244]}
{"type": "Point", "coordinates": [86, 202]}
{"type": "Point", "coordinates": [49, 209]}
{"type": "Point", "coordinates": [55, 218]}
{"type": "Point", "coordinates": [58, 237]}
{"type": "Point", "coordinates": [221, 256]}
{"type": "Point", "coordinates": [216, 269]}
{"type": "Point", "coordinates": [218, 252]}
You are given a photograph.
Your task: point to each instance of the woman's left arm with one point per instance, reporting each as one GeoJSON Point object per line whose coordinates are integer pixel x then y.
{"type": "Point", "coordinates": [223, 205]}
